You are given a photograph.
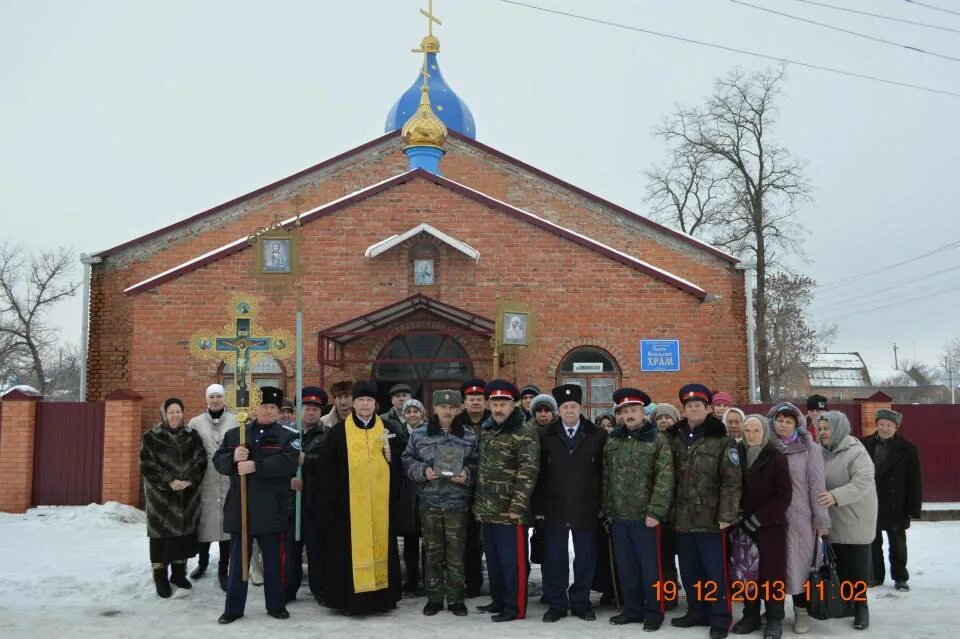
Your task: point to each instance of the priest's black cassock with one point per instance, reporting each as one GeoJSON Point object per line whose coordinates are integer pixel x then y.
{"type": "Point", "coordinates": [334, 509]}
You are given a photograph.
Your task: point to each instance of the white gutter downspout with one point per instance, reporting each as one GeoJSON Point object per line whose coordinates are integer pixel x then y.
{"type": "Point", "coordinates": [87, 261]}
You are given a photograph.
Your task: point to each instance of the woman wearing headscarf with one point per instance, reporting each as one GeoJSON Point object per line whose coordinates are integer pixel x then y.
{"type": "Point", "coordinates": [607, 422]}
{"type": "Point", "coordinates": [851, 497]}
{"type": "Point", "coordinates": [172, 462]}
{"type": "Point", "coordinates": [733, 420]}
{"type": "Point", "coordinates": [407, 521]}
{"type": "Point", "coordinates": [767, 492]}
{"type": "Point", "coordinates": [807, 518]}
{"type": "Point", "coordinates": [211, 426]}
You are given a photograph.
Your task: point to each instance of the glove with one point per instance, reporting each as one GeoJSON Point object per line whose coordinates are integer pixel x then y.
{"type": "Point", "coordinates": [752, 525]}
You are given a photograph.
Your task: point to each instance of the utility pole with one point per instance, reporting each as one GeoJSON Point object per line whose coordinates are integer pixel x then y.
{"type": "Point", "coordinates": [949, 370]}
{"type": "Point", "coordinates": [896, 364]}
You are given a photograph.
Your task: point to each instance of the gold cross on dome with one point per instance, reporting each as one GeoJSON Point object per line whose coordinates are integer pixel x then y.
{"type": "Point", "coordinates": [428, 14]}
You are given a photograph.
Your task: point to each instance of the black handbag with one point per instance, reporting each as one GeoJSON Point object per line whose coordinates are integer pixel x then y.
{"type": "Point", "coordinates": [825, 600]}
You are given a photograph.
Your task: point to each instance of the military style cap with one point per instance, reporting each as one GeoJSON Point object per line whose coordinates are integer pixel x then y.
{"type": "Point", "coordinates": [889, 414]}
{"type": "Point", "coordinates": [364, 389]}
{"type": "Point", "coordinates": [472, 386]}
{"type": "Point", "coordinates": [501, 389]}
{"type": "Point", "coordinates": [287, 404]}
{"type": "Point", "coordinates": [341, 388]}
{"type": "Point", "coordinates": [314, 395]}
{"type": "Point", "coordinates": [626, 396]}
{"type": "Point", "coordinates": [529, 390]}
{"type": "Point", "coordinates": [271, 395]}
{"type": "Point", "coordinates": [447, 398]}
{"type": "Point", "coordinates": [696, 392]}
{"type": "Point", "coordinates": [400, 388]}
{"type": "Point", "coordinates": [567, 393]}
{"type": "Point", "coordinates": [816, 402]}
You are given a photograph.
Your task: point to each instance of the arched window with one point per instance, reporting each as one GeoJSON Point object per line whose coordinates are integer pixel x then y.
{"type": "Point", "coordinates": [266, 372]}
{"type": "Point", "coordinates": [424, 361]}
{"type": "Point", "coordinates": [596, 372]}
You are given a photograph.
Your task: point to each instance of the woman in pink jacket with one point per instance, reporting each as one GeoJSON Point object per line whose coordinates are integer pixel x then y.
{"type": "Point", "coordinates": [807, 518]}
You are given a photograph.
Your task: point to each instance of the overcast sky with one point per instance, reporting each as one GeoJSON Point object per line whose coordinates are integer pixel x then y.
{"type": "Point", "coordinates": [117, 118]}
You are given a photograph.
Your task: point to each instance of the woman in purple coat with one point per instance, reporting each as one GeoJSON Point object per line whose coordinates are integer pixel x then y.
{"type": "Point", "coordinates": [807, 519]}
{"type": "Point", "coordinates": [767, 492]}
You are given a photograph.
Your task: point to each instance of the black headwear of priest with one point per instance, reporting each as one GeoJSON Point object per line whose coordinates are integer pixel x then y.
{"type": "Point", "coordinates": [364, 389]}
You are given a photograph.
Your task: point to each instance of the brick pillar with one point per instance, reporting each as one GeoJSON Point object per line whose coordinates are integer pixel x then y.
{"type": "Point", "coordinates": [121, 447]}
{"type": "Point", "coordinates": [868, 412]}
{"type": "Point", "coordinates": [19, 415]}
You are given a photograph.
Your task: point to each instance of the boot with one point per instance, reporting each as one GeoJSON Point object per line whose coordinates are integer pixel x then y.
{"type": "Point", "coordinates": [256, 566]}
{"type": "Point", "coordinates": [801, 621]}
{"type": "Point", "coordinates": [690, 620]}
{"type": "Point", "coordinates": [458, 609]}
{"type": "Point", "coordinates": [432, 608]}
{"type": "Point", "coordinates": [178, 575]}
{"type": "Point", "coordinates": [747, 624]}
{"type": "Point", "coordinates": [773, 630]}
{"type": "Point", "coordinates": [861, 617]}
{"type": "Point", "coordinates": [160, 579]}
{"type": "Point", "coordinates": [222, 573]}
{"type": "Point", "coordinates": [202, 562]}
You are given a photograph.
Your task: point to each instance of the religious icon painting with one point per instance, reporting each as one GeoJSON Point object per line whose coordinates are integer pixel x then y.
{"type": "Point", "coordinates": [276, 255]}
{"type": "Point", "coordinates": [423, 272]}
{"type": "Point", "coordinates": [514, 324]}
{"type": "Point", "coordinates": [514, 328]}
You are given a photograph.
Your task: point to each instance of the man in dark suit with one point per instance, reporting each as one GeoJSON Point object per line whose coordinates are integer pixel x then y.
{"type": "Point", "coordinates": [567, 498]}
{"type": "Point", "coordinates": [899, 494]}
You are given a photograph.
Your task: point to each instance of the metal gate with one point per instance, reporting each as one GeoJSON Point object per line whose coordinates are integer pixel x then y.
{"type": "Point", "coordinates": [68, 454]}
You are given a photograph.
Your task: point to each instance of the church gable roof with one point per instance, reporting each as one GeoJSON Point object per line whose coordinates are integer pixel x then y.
{"type": "Point", "coordinates": [392, 137]}
{"type": "Point", "coordinates": [589, 243]}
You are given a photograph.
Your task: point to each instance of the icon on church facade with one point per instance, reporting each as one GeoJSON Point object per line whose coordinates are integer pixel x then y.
{"type": "Point", "coordinates": [515, 328]}
{"type": "Point", "coordinates": [205, 344]}
{"type": "Point", "coordinates": [243, 308]}
{"type": "Point", "coordinates": [423, 272]}
{"type": "Point", "coordinates": [276, 255]}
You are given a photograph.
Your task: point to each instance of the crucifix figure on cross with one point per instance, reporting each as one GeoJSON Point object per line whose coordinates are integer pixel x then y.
{"type": "Point", "coordinates": [241, 345]}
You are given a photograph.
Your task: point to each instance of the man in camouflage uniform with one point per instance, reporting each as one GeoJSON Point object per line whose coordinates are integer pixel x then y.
{"type": "Point", "coordinates": [506, 476]}
{"type": "Point", "coordinates": [473, 414]}
{"type": "Point", "coordinates": [638, 486]}
{"type": "Point", "coordinates": [707, 502]}
{"type": "Point", "coordinates": [444, 501]}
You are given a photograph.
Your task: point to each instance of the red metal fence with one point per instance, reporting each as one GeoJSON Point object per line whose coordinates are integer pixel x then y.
{"type": "Point", "coordinates": [68, 453]}
{"type": "Point", "coordinates": [935, 429]}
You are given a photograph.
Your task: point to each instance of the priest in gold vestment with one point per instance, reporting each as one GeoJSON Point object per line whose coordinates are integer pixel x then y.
{"type": "Point", "coordinates": [353, 503]}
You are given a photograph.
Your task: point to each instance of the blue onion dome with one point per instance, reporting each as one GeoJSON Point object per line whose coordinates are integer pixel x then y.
{"type": "Point", "coordinates": [451, 110]}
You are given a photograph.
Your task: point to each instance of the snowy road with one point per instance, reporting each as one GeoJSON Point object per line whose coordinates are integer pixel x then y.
{"type": "Point", "coordinates": [83, 572]}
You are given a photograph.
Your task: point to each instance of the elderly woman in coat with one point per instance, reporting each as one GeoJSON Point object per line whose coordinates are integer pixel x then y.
{"type": "Point", "coordinates": [807, 518]}
{"type": "Point", "coordinates": [899, 494]}
{"type": "Point", "coordinates": [852, 499]}
{"type": "Point", "coordinates": [172, 462]}
{"type": "Point", "coordinates": [767, 492]}
{"type": "Point", "coordinates": [211, 426]}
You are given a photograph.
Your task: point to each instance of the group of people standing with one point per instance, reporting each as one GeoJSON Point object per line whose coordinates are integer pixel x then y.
{"type": "Point", "coordinates": [732, 498]}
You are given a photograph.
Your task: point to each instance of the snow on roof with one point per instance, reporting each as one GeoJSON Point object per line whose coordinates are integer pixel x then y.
{"type": "Point", "coordinates": [836, 360]}
{"type": "Point", "coordinates": [837, 378]}
{"type": "Point", "coordinates": [386, 244]}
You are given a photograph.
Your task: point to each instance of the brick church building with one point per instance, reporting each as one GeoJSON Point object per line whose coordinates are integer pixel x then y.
{"type": "Point", "coordinates": [410, 246]}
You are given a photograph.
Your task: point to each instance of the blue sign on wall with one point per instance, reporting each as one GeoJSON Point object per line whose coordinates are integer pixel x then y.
{"type": "Point", "coordinates": [660, 355]}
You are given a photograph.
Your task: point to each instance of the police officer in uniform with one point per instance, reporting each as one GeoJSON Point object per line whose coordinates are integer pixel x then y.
{"type": "Point", "coordinates": [268, 460]}
{"type": "Point", "coordinates": [707, 467]}
{"type": "Point", "coordinates": [638, 485]}
{"type": "Point", "coordinates": [311, 535]}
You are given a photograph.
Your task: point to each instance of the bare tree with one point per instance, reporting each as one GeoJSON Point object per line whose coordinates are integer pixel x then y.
{"type": "Point", "coordinates": [688, 194]}
{"type": "Point", "coordinates": [793, 341]}
{"type": "Point", "coordinates": [29, 288]}
{"type": "Point", "coordinates": [763, 182]}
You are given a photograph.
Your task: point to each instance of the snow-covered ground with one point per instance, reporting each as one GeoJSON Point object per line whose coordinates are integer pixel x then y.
{"type": "Point", "coordinates": [83, 572]}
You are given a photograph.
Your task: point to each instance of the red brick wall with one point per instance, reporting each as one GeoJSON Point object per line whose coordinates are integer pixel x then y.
{"type": "Point", "coordinates": [19, 414]}
{"type": "Point", "coordinates": [121, 448]}
{"type": "Point", "coordinates": [579, 297]}
{"type": "Point", "coordinates": [140, 341]}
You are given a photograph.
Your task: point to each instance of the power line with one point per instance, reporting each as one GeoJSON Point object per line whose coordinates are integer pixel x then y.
{"type": "Point", "coordinates": [856, 34]}
{"type": "Point", "coordinates": [860, 276]}
{"type": "Point", "coordinates": [668, 36]}
{"type": "Point", "coordinates": [930, 6]}
{"type": "Point", "coordinates": [878, 15]}
{"type": "Point", "coordinates": [898, 302]}
{"type": "Point", "coordinates": [912, 280]}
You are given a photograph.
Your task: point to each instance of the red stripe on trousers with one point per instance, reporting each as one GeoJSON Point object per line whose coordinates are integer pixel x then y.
{"type": "Point", "coordinates": [521, 573]}
{"type": "Point", "coordinates": [283, 559]}
{"type": "Point", "coordinates": [660, 599]}
{"type": "Point", "coordinates": [726, 571]}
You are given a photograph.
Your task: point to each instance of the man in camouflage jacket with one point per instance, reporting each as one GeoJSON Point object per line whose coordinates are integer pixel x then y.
{"type": "Point", "coordinates": [507, 473]}
{"type": "Point", "coordinates": [444, 500]}
{"type": "Point", "coordinates": [707, 467]}
{"type": "Point", "coordinates": [638, 486]}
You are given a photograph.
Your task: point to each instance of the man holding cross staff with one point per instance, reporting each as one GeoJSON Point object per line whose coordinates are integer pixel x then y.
{"type": "Point", "coordinates": [260, 457]}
